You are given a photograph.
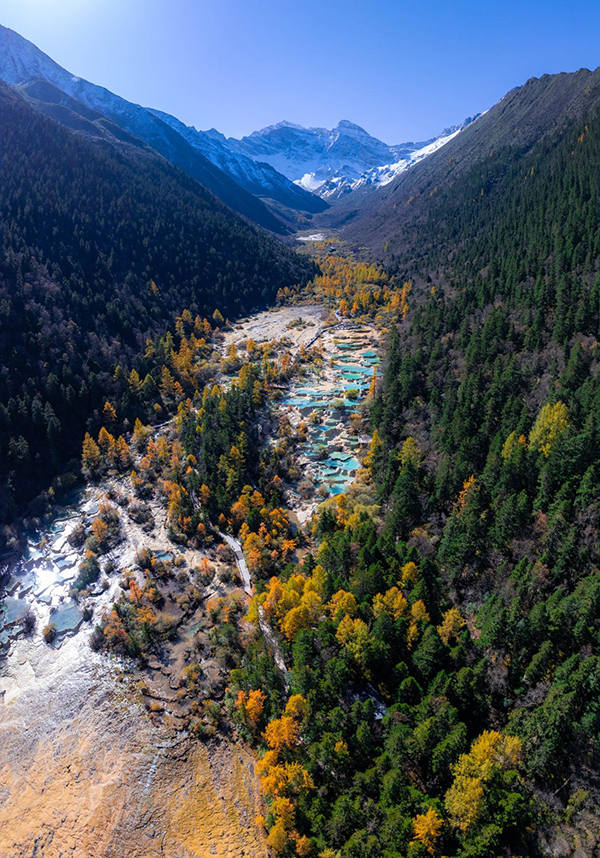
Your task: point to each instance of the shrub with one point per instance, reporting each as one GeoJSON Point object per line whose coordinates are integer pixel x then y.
{"type": "Point", "coordinates": [89, 571]}
{"type": "Point", "coordinates": [49, 632]}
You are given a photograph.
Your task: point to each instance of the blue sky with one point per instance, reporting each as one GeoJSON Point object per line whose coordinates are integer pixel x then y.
{"type": "Point", "coordinates": [403, 70]}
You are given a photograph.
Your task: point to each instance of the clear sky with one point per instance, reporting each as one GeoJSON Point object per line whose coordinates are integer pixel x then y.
{"type": "Point", "coordinates": [403, 70]}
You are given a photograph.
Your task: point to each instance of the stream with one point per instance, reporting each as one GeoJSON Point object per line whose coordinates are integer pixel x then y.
{"type": "Point", "coordinates": [240, 560]}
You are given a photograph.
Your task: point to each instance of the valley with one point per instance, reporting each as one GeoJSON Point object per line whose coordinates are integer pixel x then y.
{"type": "Point", "coordinates": [299, 451]}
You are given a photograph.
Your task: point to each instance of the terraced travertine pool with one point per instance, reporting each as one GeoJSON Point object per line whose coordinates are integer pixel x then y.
{"type": "Point", "coordinates": [330, 456]}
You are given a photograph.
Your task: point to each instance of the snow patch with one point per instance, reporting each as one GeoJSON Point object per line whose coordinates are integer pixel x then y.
{"type": "Point", "coordinates": [309, 182]}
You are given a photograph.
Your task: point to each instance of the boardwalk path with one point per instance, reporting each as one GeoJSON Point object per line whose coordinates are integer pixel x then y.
{"type": "Point", "coordinates": [265, 628]}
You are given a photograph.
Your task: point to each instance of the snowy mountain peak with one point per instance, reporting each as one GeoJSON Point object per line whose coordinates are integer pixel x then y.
{"type": "Point", "coordinates": [350, 127]}
{"type": "Point", "coordinates": [21, 60]}
{"type": "Point", "coordinates": [279, 126]}
{"type": "Point", "coordinates": [215, 135]}
{"type": "Point", "coordinates": [333, 162]}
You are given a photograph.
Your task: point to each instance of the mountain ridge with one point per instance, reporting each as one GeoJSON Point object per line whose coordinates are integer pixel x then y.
{"type": "Point", "coordinates": [519, 120]}
{"type": "Point", "coordinates": [336, 161]}
{"type": "Point", "coordinates": [257, 177]}
{"type": "Point", "coordinates": [21, 61]}
{"type": "Point", "coordinates": [277, 176]}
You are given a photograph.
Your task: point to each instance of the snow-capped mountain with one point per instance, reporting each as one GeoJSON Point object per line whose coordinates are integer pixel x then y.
{"type": "Point", "coordinates": [237, 180]}
{"type": "Point", "coordinates": [296, 151]}
{"type": "Point", "coordinates": [284, 165]}
{"type": "Point", "coordinates": [258, 177]}
{"type": "Point", "coordinates": [340, 183]}
{"type": "Point", "coordinates": [334, 162]}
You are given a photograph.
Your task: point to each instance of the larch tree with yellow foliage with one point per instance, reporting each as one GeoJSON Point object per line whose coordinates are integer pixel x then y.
{"type": "Point", "coordinates": [427, 829]}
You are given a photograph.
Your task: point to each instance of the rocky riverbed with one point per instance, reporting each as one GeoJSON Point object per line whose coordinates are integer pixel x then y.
{"type": "Point", "coordinates": [87, 767]}
{"type": "Point", "coordinates": [86, 771]}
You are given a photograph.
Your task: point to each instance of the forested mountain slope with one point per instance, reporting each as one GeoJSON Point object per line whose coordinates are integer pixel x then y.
{"type": "Point", "coordinates": [460, 587]}
{"type": "Point", "coordinates": [526, 115]}
{"type": "Point", "coordinates": [495, 377]}
{"type": "Point", "coordinates": [21, 62]}
{"type": "Point", "coordinates": [102, 246]}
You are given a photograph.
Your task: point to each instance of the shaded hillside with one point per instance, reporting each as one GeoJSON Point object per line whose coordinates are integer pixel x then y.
{"type": "Point", "coordinates": [87, 229]}
{"type": "Point", "coordinates": [22, 62]}
{"type": "Point", "coordinates": [509, 129]}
